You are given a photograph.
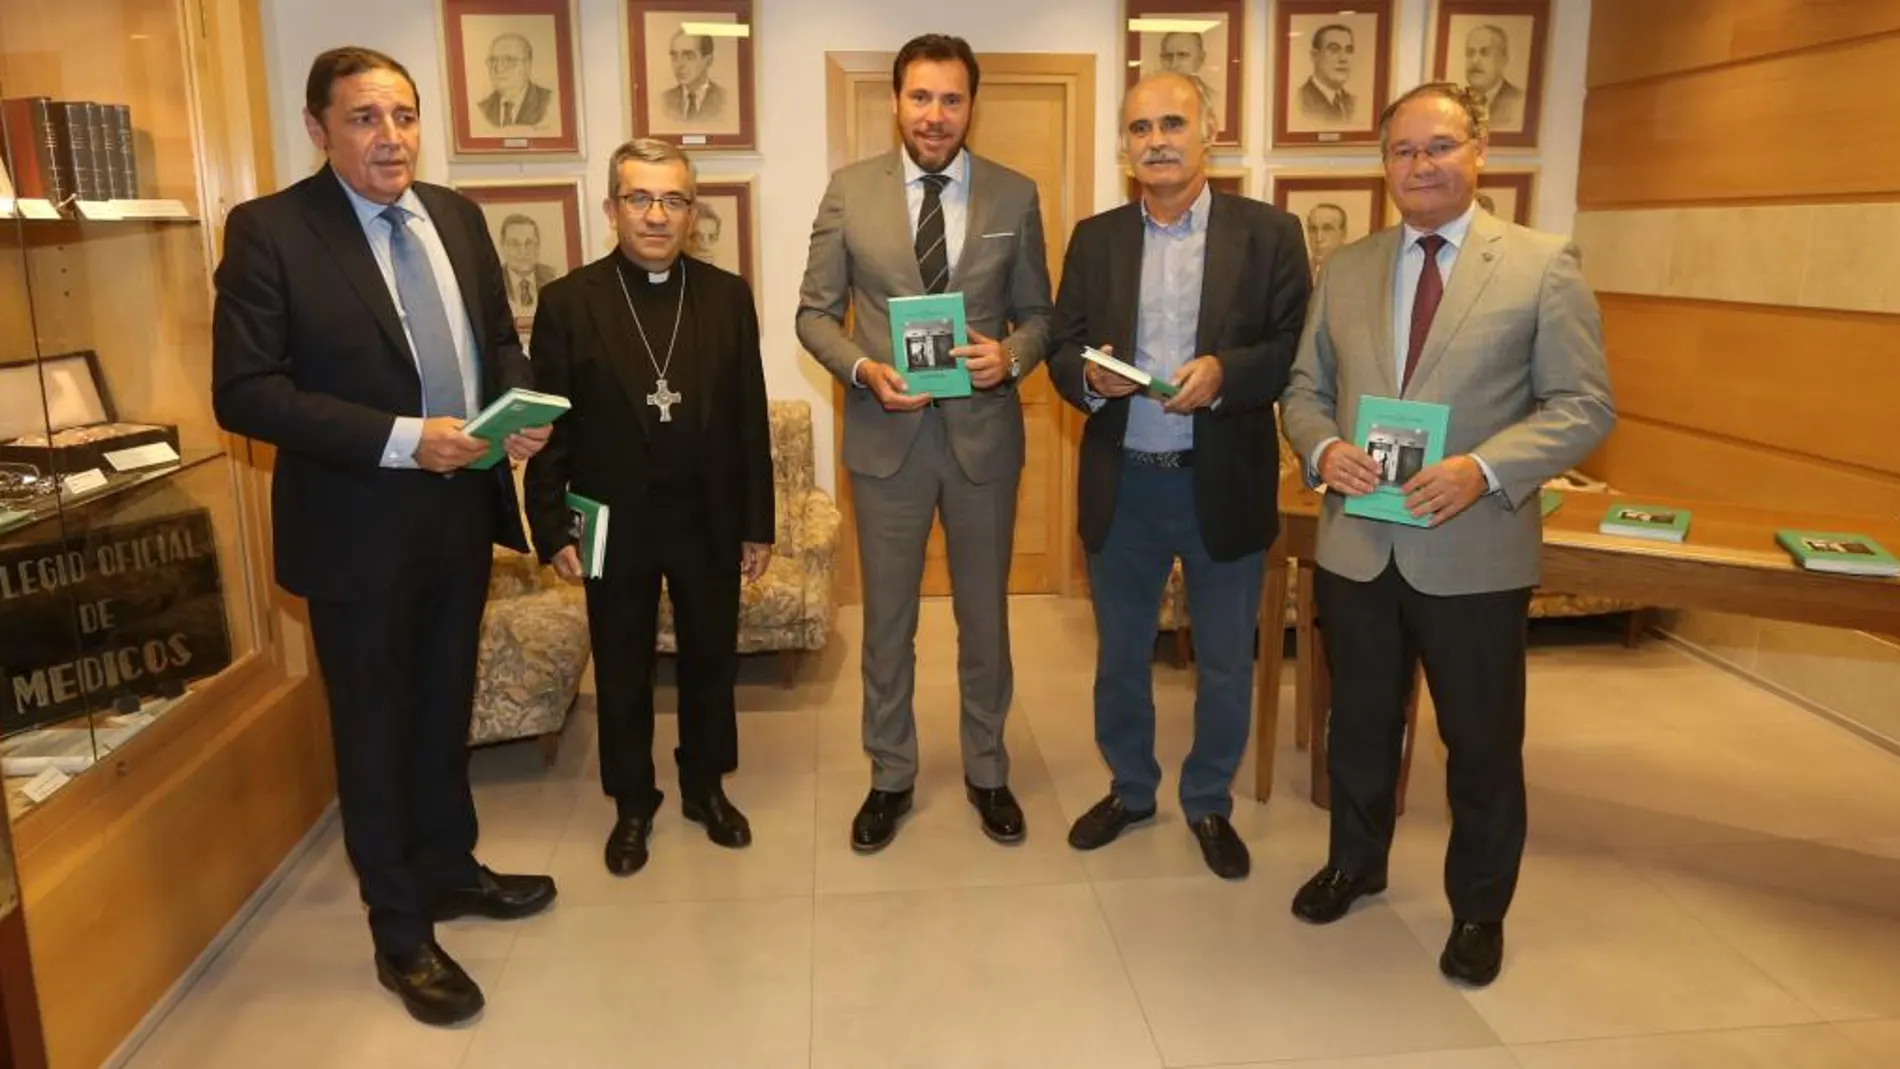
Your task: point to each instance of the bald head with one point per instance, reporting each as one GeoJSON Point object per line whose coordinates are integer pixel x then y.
{"type": "Point", "coordinates": [1173, 93]}
{"type": "Point", "coordinates": [1487, 50]}
{"type": "Point", "coordinates": [1166, 128]}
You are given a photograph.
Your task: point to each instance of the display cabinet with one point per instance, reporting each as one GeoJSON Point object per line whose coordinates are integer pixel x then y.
{"type": "Point", "coordinates": [155, 708]}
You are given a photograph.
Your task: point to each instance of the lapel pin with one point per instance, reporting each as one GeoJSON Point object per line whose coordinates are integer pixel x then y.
{"type": "Point", "coordinates": [1489, 256]}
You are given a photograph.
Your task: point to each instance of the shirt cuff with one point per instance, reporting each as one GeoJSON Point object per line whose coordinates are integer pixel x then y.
{"type": "Point", "coordinates": [1490, 477]}
{"type": "Point", "coordinates": [1094, 400]}
{"type": "Point", "coordinates": [404, 437]}
{"type": "Point", "coordinates": [855, 365]}
{"type": "Point", "coordinates": [1312, 462]}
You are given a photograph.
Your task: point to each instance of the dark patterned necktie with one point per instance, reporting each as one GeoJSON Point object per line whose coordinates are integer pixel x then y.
{"type": "Point", "coordinates": [933, 257]}
{"type": "Point", "coordinates": [1431, 288]}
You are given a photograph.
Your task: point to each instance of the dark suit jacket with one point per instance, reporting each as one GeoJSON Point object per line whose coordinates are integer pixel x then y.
{"type": "Point", "coordinates": [1315, 104]}
{"type": "Point", "coordinates": [534, 106]}
{"type": "Point", "coordinates": [308, 354]}
{"type": "Point", "coordinates": [1253, 304]}
{"type": "Point", "coordinates": [584, 350]}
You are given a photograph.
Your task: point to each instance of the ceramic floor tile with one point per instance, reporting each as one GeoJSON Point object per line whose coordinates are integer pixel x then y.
{"type": "Point", "coordinates": [1811, 1047]}
{"type": "Point", "coordinates": [1005, 978]}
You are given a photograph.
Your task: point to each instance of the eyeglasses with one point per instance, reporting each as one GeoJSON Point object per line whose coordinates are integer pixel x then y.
{"type": "Point", "coordinates": [1437, 151]}
{"type": "Point", "coordinates": [503, 62]}
{"type": "Point", "coordinates": [641, 201]}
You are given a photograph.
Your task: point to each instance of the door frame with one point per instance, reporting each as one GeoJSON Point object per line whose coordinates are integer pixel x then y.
{"type": "Point", "coordinates": [1075, 73]}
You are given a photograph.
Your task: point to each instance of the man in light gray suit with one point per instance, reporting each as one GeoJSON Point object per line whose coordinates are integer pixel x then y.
{"type": "Point", "coordinates": [931, 218]}
{"type": "Point", "coordinates": [1462, 309]}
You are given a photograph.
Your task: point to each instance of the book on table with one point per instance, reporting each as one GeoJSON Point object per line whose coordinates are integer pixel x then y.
{"type": "Point", "coordinates": [514, 411]}
{"type": "Point", "coordinates": [587, 524]}
{"type": "Point", "coordinates": [1841, 552]}
{"type": "Point", "coordinates": [1403, 438]}
{"type": "Point", "coordinates": [1130, 372]}
{"type": "Point", "coordinates": [1658, 523]}
{"type": "Point", "coordinates": [923, 331]}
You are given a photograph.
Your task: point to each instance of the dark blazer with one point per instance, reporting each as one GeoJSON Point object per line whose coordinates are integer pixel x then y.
{"type": "Point", "coordinates": [584, 350]}
{"type": "Point", "coordinates": [308, 355]}
{"type": "Point", "coordinates": [1253, 304]}
{"type": "Point", "coordinates": [534, 106]}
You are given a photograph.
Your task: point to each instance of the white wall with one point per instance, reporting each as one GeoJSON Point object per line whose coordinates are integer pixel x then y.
{"type": "Point", "coordinates": [789, 168]}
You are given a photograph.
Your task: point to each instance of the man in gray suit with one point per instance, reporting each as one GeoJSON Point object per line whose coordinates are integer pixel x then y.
{"type": "Point", "coordinates": [932, 218]}
{"type": "Point", "coordinates": [1462, 309]}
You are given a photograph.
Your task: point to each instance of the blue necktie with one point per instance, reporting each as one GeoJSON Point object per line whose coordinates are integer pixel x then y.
{"type": "Point", "coordinates": [428, 321]}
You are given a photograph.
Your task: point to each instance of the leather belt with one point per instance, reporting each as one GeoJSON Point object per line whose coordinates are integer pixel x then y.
{"type": "Point", "coordinates": [1180, 458]}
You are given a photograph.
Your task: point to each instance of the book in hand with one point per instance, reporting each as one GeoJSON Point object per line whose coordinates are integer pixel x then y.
{"type": "Point", "coordinates": [587, 523]}
{"type": "Point", "coordinates": [923, 331]}
{"type": "Point", "coordinates": [513, 411]}
{"type": "Point", "coordinates": [1843, 552]}
{"type": "Point", "coordinates": [1654, 522]}
{"type": "Point", "coordinates": [1403, 438]}
{"type": "Point", "coordinates": [1130, 372]}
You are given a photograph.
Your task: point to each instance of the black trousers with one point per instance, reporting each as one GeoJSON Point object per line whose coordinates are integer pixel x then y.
{"type": "Point", "coordinates": [1473, 649]}
{"type": "Point", "coordinates": [400, 668]}
{"type": "Point", "coordinates": [702, 581]}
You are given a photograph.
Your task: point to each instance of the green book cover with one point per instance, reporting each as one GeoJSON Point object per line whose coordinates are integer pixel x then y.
{"type": "Point", "coordinates": [1659, 523]}
{"type": "Point", "coordinates": [1404, 438]}
{"type": "Point", "coordinates": [1844, 552]}
{"type": "Point", "coordinates": [1159, 387]}
{"type": "Point", "coordinates": [923, 331]}
{"type": "Point", "coordinates": [1551, 500]}
{"type": "Point", "coordinates": [587, 523]}
{"type": "Point", "coordinates": [511, 412]}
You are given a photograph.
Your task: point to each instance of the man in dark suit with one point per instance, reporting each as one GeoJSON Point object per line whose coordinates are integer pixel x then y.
{"type": "Point", "coordinates": [1487, 52]}
{"type": "Point", "coordinates": [1206, 291]}
{"type": "Point", "coordinates": [517, 100]}
{"type": "Point", "coordinates": [524, 275]}
{"type": "Point", "coordinates": [697, 97]}
{"type": "Point", "coordinates": [659, 353]}
{"type": "Point", "coordinates": [1323, 96]}
{"type": "Point", "coordinates": [360, 319]}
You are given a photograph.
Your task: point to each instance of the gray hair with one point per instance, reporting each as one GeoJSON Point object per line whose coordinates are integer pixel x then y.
{"type": "Point", "coordinates": [1477, 122]}
{"type": "Point", "coordinates": [527, 49]}
{"type": "Point", "coordinates": [1201, 92]}
{"type": "Point", "coordinates": [650, 150]}
{"type": "Point", "coordinates": [1504, 39]}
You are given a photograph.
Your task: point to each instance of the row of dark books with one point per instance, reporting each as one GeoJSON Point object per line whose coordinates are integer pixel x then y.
{"type": "Point", "coordinates": [61, 150]}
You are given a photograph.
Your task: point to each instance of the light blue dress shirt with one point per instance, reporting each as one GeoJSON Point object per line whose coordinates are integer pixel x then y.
{"type": "Point", "coordinates": [399, 451]}
{"type": "Point", "coordinates": [1173, 263]}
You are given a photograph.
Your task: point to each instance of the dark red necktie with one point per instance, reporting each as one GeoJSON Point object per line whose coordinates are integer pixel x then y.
{"type": "Point", "coordinates": [1431, 287]}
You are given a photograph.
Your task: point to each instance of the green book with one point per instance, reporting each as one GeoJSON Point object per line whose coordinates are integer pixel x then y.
{"type": "Point", "coordinates": [587, 523]}
{"type": "Point", "coordinates": [512, 411]}
{"type": "Point", "coordinates": [1844, 552]}
{"type": "Point", "coordinates": [1550, 500]}
{"type": "Point", "coordinates": [923, 331]}
{"type": "Point", "coordinates": [1404, 438]}
{"type": "Point", "coordinates": [1160, 387]}
{"type": "Point", "coordinates": [1657, 523]}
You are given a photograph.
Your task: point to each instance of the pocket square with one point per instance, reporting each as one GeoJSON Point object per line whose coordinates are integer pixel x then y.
{"type": "Point", "coordinates": [1001, 234]}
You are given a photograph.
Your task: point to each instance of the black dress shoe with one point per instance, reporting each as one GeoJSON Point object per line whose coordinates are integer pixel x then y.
{"type": "Point", "coordinates": [627, 845]}
{"type": "Point", "coordinates": [1104, 823]}
{"type": "Point", "coordinates": [497, 896]}
{"type": "Point", "coordinates": [1002, 817]}
{"type": "Point", "coordinates": [1221, 847]}
{"type": "Point", "coordinates": [433, 988]}
{"type": "Point", "coordinates": [1331, 892]}
{"type": "Point", "coordinates": [876, 823]}
{"type": "Point", "coordinates": [722, 820]}
{"type": "Point", "coordinates": [1474, 953]}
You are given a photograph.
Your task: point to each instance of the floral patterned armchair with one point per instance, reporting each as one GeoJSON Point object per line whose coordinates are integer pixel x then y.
{"type": "Point", "coordinates": [534, 647]}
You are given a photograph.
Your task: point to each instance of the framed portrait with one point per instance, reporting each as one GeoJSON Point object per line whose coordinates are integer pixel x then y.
{"type": "Point", "coordinates": [1332, 71]}
{"type": "Point", "coordinates": [1497, 48]}
{"type": "Point", "coordinates": [536, 228]}
{"type": "Point", "coordinates": [1202, 39]}
{"type": "Point", "coordinates": [1508, 194]}
{"type": "Point", "coordinates": [1230, 180]}
{"type": "Point", "coordinates": [691, 71]}
{"type": "Point", "coordinates": [513, 74]}
{"type": "Point", "coordinates": [725, 227]}
{"type": "Point", "coordinates": [1333, 209]}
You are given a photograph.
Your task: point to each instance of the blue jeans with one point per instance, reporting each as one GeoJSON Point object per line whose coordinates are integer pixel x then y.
{"type": "Point", "coordinates": [1154, 523]}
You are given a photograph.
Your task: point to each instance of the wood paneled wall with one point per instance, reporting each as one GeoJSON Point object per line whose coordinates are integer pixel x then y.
{"type": "Point", "coordinates": [1699, 112]}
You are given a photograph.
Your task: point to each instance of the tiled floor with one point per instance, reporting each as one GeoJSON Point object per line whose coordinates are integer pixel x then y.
{"type": "Point", "coordinates": [1713, 881]}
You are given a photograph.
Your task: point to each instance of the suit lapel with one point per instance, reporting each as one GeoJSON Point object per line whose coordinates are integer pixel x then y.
{"type": "Point", "coordinates": [975, 218]}
{"type": "Point", "coordinates": [331, 215]}
{"type": "Point", "coordinates": [1226, 254]}
{"type": "Point", "coordinates": [896, 206]}
{"type": "Point", "coordinates": [1477, 261]}
{"type": "Point", "coordinates": [1124, 279]}
{"type": "Point", "coordinates": [619, 339]}
{"type": "Point", "coordinates": [1385, 260]}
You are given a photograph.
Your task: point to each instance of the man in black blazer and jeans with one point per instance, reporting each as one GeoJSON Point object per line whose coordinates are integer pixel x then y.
{"type": "Point", "coordinates": [1206, 291]}
{"type": "Point", "coordinates": [360, 319]}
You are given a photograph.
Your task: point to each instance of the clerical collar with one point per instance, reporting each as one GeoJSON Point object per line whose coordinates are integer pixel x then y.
{"type": "Point", "coordinates": [654, 278]}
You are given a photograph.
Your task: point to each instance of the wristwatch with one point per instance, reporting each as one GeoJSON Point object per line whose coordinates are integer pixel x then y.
{"type": "Point", "coordinates": [1015, 365]}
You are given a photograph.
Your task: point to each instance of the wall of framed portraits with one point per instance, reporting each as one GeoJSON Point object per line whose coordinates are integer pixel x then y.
{"type": "Point", "coordinates": [524, 100]}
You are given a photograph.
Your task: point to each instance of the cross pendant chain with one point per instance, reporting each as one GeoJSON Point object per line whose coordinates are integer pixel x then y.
{"type": "Point", "coordinates": [663, 399]}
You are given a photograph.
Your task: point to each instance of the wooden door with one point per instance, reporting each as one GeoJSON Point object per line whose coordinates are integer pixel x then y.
{"type": "Point", "coordinates": [1034, 115]}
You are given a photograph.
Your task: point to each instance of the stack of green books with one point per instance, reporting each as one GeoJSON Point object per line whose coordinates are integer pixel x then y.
{"type": "Point", "coordinates": [1843, 552]}
{"type": "Point", "coordinates": [1655, 522]}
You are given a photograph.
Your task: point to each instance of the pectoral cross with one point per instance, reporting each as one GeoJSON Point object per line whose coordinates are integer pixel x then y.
{"type": "Point", "coordinates": [663, 399]}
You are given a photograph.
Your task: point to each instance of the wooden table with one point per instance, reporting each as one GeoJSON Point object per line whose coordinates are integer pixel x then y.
{"type": "Point", "coordinates": [1729, 563]}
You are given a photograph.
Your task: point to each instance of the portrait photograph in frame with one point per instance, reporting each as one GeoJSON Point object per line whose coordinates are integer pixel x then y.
{"type": "Point", "coordinates": [1332, 71]}
{"type": "Point", "coordinates": [513, 78]}
{"type": "Point", "coordinates": [1508, 194]}
{"type": "Point", "coordinates": [691, 72]}
{"type": "Point", "coordinates": [1333, 208]}
{"type": "Point", "coordinates": [535, 226]}
{"type": "Point", "coordinates": [1202, 39]}
{"type": "Point", "coordinates": [1228, 180]}
{"type": "Point", "coordinates": [1497, 48]}
{"type": "Point", "coordinates": [725, 227]}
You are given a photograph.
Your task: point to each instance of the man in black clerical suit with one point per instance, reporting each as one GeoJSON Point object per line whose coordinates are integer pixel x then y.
{"type": "Point", "coordinates": [659, 353]}
{"type": "Point", "coordinates": [360, 320]}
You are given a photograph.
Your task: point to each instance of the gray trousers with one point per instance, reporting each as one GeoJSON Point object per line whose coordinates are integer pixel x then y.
{"type": "Point", "coordinates": [979, 525]}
